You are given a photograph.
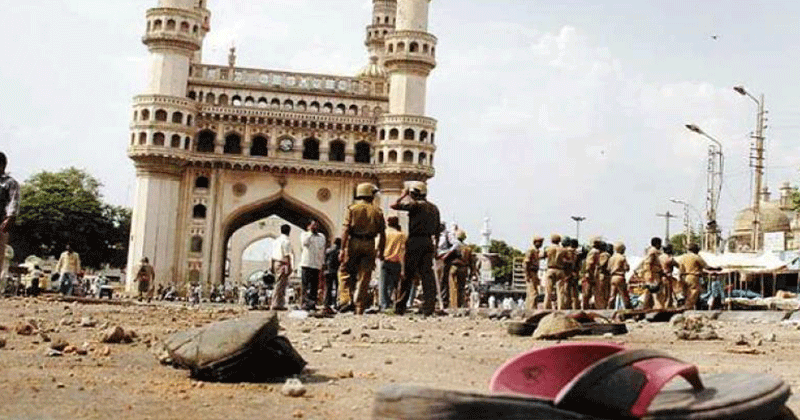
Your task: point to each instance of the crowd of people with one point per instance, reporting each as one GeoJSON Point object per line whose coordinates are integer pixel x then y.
{"type": "Point", "coordinates": [597, 278]}
{"type": "Point", "coordinates": [428, 256]}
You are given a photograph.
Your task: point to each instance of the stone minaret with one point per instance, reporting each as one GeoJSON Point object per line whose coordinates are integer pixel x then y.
{"type": "Point", "coordinates": [162, 129]}
{"type": "Point", "coordinates": [384, 13]}
{"type": "Point", "coordinates": [405, 135]}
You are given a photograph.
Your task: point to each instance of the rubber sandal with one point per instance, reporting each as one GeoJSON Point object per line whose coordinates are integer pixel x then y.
{"type": "Point", "coordinates": [607, 381]}
{"type": "Point", "coordinates": [579, 381]}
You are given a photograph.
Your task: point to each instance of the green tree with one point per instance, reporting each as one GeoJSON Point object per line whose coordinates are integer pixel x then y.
{"type": "Point", "coordinates": [678, 241]}
{"type": "Point", "coordinates": [505, 269]}
{"type": "Point", "coordinates": [63, 207]}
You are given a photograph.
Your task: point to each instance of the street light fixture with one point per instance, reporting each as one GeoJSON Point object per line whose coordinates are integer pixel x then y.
{"type": "Point", "coordinates": [578, 220]}
{"type": "Point", "coordinates": [759, 164]}
{"type": "Point", "coordinates": [714, 187]}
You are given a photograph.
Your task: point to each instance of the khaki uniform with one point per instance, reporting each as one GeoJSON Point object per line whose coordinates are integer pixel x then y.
{"type": "Point", "coordinates": [691, 266]}
{"type": "Point", "coordinates": [573, 274]}
{"type": "Point", "coordinates": [603, 284]}
{"type": "Point", "coordinates": [617, 268]}
{"type": "Point", "coordinates": [363, 222]}
{"type": "Point", "coordinates": [666, 295]}
{"type": "Point", "coordinates": [653, 276]}
{"type": "Point", "coordinates": [459, 272]}
{"type": "Point", "coordinates": [589, 283]}
{"type": "Point", "coordinates": [532, 277]}
{"type": "Point", "coordinates": [423, 225]}
{"type": "Point", "coordinates": [554, 276]}
{"type": "Point", "coordinates": [565, 260]}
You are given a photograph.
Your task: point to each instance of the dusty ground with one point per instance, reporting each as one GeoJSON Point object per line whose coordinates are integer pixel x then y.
{"type": "Point", "coordinates": [444, 352]}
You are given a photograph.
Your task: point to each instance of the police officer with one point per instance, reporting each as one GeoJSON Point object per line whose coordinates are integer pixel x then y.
{"type": "Point", "coordinates": [617, 268]}
{"type": "Point", "coordinates": [423, 230]}
{"type": "Point", "coordinates": [653, 273]}
{"type": "Point", "coordinates": [692, 267]}
{"type": "Point", "coordinates": [665, 296]}
{"type": "Point", "coordinates": [573, 262]}
{"type": "Point", "coordinates": [603, 284]}
{"type": "Point", "coordinates": [363, 221]}
{"type": "Point", "coordinates": [589, 283]}
{"type": "Point", "coordinates": [555, 272]}
{"type": "Point", "coordinates": [532, 272]}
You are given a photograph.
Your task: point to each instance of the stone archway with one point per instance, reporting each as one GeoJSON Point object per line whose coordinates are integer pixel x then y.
{"type": "Point", "coordinates": [282, 205]}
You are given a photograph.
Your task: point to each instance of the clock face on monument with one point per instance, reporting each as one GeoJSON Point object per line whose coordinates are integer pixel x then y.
{"type": "Point", "coordinates": [286, 145]}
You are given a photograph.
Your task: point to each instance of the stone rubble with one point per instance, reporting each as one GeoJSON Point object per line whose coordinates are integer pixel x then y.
{"type": "Point", "coordinates": [694, 327]}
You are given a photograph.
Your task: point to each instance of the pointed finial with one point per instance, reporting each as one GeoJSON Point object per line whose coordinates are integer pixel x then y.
{"type": "Point", "coordinates": [232, 56]}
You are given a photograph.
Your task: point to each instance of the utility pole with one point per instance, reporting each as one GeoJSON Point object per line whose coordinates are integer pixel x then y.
{"type": "Point", "coordinates": [757, 162]}
{"type": "Point", "coordinates": [759, 174]}
{"type": "Point", "coordinates": [713, 188]}
{"type": "Point", "coordinates": [578, 220]}
{"type": "Point", "coordinates": [666, 217]}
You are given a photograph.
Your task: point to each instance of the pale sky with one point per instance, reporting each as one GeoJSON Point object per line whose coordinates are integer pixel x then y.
{"type": "Point", "coordinates": [546, 109]}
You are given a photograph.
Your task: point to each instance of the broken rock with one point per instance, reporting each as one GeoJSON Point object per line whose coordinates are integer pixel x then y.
{"type": "Point", "coordinates": [117, 334]}
{"type": "Point", "coordinates": [59, 344]}
{"type": "Point", "coordinates": [24, 328]}
{"type": "Point", "coordinates": [293, 388]}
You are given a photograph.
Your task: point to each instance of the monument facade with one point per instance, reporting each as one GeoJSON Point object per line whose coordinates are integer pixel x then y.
{"type": "Point", "coordinates": [218, 147]}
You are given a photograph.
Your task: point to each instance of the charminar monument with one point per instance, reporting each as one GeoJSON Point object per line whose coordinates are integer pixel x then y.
{"type": "Point", "coordinates": [219, 147]}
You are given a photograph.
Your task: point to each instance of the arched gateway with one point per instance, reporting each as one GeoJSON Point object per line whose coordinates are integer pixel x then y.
{"type": "Point", "coordinates": [244, 144]}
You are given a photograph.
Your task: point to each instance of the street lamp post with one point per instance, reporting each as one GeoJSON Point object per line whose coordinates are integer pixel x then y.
{"type": "Point", "coordinates": [716, 161]}
{"type": "Point", "coordinates": [687, 222]}
{"type": "Point", "coordinates": [759, 164]}
{"type": "Point", "coordinates": [578, 220]}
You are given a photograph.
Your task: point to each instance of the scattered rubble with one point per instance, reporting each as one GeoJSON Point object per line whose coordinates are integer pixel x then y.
{"type": "Point", "coordinates": [694, 327]}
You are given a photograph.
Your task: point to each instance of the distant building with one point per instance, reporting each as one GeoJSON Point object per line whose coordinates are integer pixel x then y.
{"type": "Point", "coordinates": [219, 147]}
{"type": "Point", "coordinates": [780, 224]}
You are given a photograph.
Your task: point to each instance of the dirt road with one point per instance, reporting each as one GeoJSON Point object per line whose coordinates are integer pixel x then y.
{"type": "Point", "coordinates": [349, 359]}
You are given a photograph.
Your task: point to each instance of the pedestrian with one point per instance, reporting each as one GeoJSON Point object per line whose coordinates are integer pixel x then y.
{"type": "Point", "coordinates": [146, 277]}
{"type": "Point", "coordinates": [423, 232]}
{"type": "Point", "coordinates": [363, 222]}
{"type": "Point", "coordinates": [281, 267]}
{"type": "Point", "coordinates": [311, 261]}
{"type": "Point", "coordinates": [555, 272]}
{"type": "Point", "coordinates": [392, 267]}
{"type": "Point", "coordinates": [9, 208]}
{"type": "Point", "coordinates": [532, 259]}
{"type": "Point", "coordinates": [666, 296]}
{"type": "Point", "coordinates": [69, 264]}
{"type": "Point", "coordinates": [692, 266]}
{"type": "Point", "coordinates": [617, 268]}
{"type": "Point", "coordinates": [653, 273]}
{"type": "Point", "coordinates": [330, 272]}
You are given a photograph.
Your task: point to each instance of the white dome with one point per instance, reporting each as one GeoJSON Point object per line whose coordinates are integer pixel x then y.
{"type": "Point", "coordinates": [372, 70]}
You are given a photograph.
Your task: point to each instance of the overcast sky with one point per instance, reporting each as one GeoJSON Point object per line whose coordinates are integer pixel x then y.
{"type": "Point", "coordinates": [546, 109]}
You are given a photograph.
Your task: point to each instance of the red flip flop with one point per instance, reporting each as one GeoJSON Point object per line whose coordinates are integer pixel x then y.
{"type": "Point", "coordinates": [594, 381]}
{"type": "Point", "coordinates": [608, 381]}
